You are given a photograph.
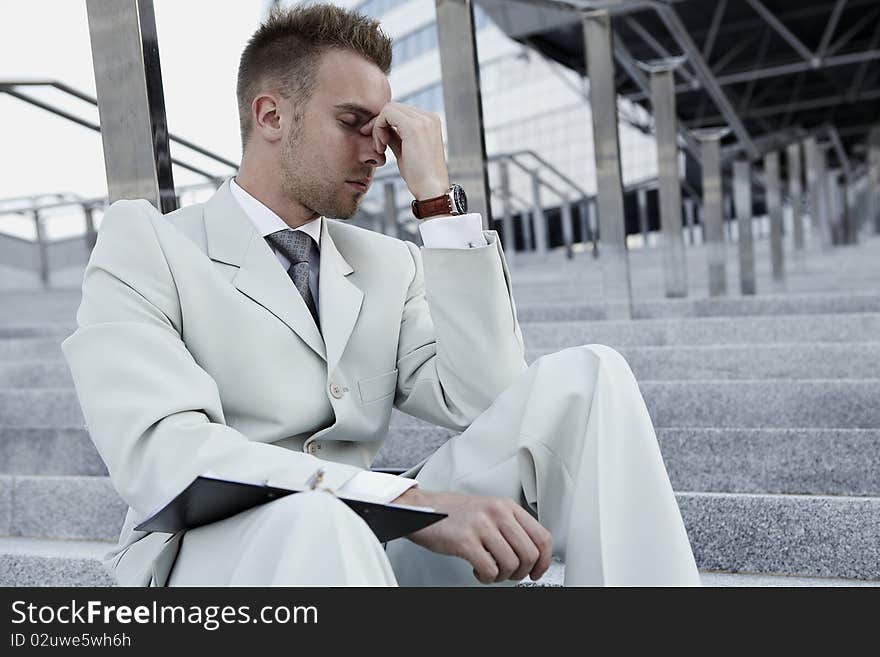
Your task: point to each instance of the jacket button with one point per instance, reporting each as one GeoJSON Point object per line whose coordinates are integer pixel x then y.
{"type": "Point", "coordinates": [312, 448]}
{"type": "Point", "coordinates": [336, 390]}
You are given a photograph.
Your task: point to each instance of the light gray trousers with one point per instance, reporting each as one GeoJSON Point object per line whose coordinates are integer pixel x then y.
{"type": "Point", "coordinates": [570, 439]}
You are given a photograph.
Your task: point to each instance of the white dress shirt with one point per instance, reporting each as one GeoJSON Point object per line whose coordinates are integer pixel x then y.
{"type": "Point", "coordinates": [443, 232]}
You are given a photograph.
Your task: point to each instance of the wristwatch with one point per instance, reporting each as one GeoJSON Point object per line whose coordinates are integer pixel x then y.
{"type": "Point", "coordinates": [454, 201]}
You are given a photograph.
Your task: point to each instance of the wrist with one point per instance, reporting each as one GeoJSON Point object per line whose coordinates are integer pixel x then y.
{"type": "Point", "coordinates": [432, 189]}
{"type": "Point", "coordinates": [412, 496]}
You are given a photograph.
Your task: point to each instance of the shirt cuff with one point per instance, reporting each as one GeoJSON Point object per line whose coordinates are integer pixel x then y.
{"type": "Point", "coordinates": [463, 231]}
{"type": "Point", "coordinates": [376, 486]}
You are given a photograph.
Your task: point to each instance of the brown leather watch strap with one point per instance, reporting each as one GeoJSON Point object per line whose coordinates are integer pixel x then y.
{"type": "Point", "coordinates": [431, 207]}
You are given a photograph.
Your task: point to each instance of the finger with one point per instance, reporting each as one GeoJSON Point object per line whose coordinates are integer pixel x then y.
{"type": "Point", "coordinates": [503, 554]}
{"type": "Point", "coordinates": [540, 537]}
{"type": "Point", "coordinates": [395, 115]}
{"type": "Point", "coordinates": [526, 551]}
{"type": "Point", "coordinates": [485, 568]}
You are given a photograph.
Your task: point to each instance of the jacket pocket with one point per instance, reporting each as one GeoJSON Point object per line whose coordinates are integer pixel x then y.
{"type": "Point", "coordinates": [377, 387]}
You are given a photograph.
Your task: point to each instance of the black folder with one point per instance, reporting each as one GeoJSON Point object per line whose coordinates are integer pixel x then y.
{"type": "Point", "coordinates": [209, 499]}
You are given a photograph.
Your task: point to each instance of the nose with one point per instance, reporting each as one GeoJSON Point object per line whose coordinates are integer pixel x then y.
{"type": "Point", "coordinates": [368, 153]}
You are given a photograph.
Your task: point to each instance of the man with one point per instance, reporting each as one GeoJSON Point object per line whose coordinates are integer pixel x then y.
{"type": "Point", "coordinates": [259, 337]}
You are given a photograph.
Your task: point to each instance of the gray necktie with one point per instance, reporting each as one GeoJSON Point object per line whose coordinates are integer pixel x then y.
{"type": "Point", "coordinates": [296, 245]}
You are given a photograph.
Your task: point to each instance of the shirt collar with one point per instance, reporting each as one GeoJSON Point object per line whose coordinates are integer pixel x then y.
{"type": "Point", "coordinates": [265, 220]}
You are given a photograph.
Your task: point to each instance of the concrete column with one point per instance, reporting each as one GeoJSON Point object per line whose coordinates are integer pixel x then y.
{"type": "Point", "coordinates": [465, 138]}
{"type": "Point", "coordinates": [509, 241]}
{"type": "Point", "coordinates": [131, 103]}
{"type": "Point", "coordinates": [742, 191]}
{"type": "Point", "coordinates": [668, 175]}
{"type": "Point", "coordinates": [538, 217]}
{"type": "Point", "coordinates": [642, 200]}
{"type": "Point", "coordinates": [609, 193]}
{"type": "Point", "coordinates": [774, 213]}
{"type": "Point", "coordinates": [817, 183]}
{"type": "Point", "coordinates": [391, 226]}
{"type": "Point", "coordinates": [874, 177]}
{"type": "Point", "coordinates": [713, 208]}
{"type": "Point", "coordinates": [795, 194]}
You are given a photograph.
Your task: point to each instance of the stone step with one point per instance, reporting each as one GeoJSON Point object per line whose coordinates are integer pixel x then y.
{"type": "Point", "coordinates": [809, 360]}
{"type": "Point", "coordinates": [817, 536]}
{"type": "Point", "coordinates": [805, 461]}
{"type": "Point", "coordinates": [824, 403]}
{"type": "Point", "coordinates": [543, 335]}
{"type": "Point", "coordinates": [775, 304]}
{"type": "Point", "coordinates": [794, 461]}
{"type": "Point", "coordinates": [751, 404]}
{"type": "Point", "coordinates": [839, 328]}
{"type": "Point", "coordinates": [47, 562]}
{"type": "Point", "coordinates": [813, 360]}
{"type": "Point", "coordinates": [36, 330]}
{"type": "Point", "coordinates": [31, 348]}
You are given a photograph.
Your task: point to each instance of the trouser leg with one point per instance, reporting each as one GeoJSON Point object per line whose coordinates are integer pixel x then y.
{"type": "Point", "coordinates": [570, 439]}
{"type": "Point", "coordinates": [306, 539]}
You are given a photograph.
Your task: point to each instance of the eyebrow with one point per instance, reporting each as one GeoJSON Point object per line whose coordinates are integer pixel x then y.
{"type": "Point", "coordinates": [355, 108]}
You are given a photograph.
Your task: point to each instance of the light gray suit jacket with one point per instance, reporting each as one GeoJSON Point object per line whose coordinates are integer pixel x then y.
{"type": "Point", "coordinates": [194, 352]}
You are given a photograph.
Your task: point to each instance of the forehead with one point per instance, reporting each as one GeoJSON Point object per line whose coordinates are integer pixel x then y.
{"type": "Point", "coordinates": [345, 77]}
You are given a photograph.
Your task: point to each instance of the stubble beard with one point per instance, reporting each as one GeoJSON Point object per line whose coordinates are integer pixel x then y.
{"type": "Point", "coordinates": [299, 184]}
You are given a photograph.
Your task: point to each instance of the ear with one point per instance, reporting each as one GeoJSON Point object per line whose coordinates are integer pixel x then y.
{"type": "Point", "coordinates": [266, 116]}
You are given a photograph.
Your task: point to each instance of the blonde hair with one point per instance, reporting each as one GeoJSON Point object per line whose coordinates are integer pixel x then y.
{"type": "Point", "coordinates": [285, 52]}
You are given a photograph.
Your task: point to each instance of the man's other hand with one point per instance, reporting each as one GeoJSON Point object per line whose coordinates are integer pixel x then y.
{"type": "Point", "coordinates": [496, 535]}
{"type": "Point", "coordinates": [416, 139]}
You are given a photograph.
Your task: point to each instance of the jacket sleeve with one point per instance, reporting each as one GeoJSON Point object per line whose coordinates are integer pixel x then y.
{"type": "Point", "coordinates": [460, 343]}
{"type": "Point", "coordinates": [153, 413]}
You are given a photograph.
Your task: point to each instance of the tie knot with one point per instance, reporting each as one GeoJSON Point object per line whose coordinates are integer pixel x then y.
{"type": "Point", "coordinates": [296, 245]}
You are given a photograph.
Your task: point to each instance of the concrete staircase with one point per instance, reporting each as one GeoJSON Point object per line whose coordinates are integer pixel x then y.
{"type": "Point", "coordinates": [766, 410]}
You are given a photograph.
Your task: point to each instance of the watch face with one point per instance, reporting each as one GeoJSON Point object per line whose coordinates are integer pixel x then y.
{"type": "Point", "coordinates": [460, 198]}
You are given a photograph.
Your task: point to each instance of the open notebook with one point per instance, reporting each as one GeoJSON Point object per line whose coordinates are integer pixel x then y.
{"type": "Point", "coordinates": [210, 498]}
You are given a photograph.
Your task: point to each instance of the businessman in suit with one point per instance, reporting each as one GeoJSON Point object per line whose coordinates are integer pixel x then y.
{"type": "Point", "coordinates": [259, 337]}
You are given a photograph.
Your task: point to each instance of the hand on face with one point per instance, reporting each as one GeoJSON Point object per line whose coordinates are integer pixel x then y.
{"type": "Point", "coordinates": [416, 139]}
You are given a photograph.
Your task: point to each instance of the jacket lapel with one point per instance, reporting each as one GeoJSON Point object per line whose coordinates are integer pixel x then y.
{"type": "Point", "coordinates": [233, 239]}
{"type": "Point", "coordinates": [340, 300]}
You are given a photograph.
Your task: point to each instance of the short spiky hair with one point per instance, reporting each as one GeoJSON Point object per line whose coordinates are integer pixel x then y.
{"type": "Point", "coordinates": [285, 51]}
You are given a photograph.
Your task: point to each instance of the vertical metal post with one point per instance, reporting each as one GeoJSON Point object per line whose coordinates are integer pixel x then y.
{"type": "Point", "coordinates": [742, 188]}
{"type": "Point", "coordinates": [131, 104]}
{"type": "Point", "coordinates": [91, 233]}
{"type": "Point", "coordinates": [509, 242]}
{"type": "Point", "coordinates": [874, 177]}
{"type": "Point", "coordinates": [795, 194]}
{"type": "Point", "coordinates": [774, 212]}
{"type": "Point", "coordinates": [585, 223]}
{"type": "Point", "coordinates": [731, 215]}
{"type": "Point", "coordinates": [594, 225]}
{"type": "Point", "coordinates": [668, 174]}
{"type": "Point", "coordinates": [42, 249]}
{"type": "Point", "coordinates": [465, 138]}
{"type": "Point", "coordinates": [567, 228]}
{"type": "Point", "coordinates": [642, 200]}
{"type": "Point", "coordinates": [606, 147]}
{"type": "Point", "coordinates": [391, 227]}
{"type": "Point", "coordinates": [538, 218]}
{"type": "Point", "coordinates": [689, 217]}
{"type": "Point", "coordinates": [713, 208]}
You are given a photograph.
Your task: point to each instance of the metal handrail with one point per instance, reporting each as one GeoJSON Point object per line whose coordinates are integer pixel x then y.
{"type": "Point", "coordinates": [9, 87]}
